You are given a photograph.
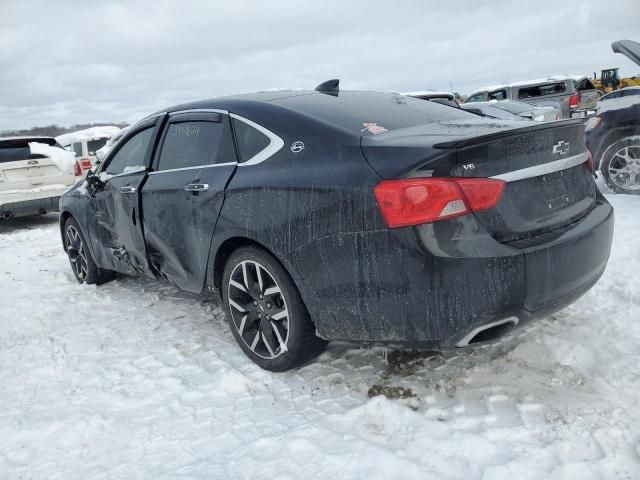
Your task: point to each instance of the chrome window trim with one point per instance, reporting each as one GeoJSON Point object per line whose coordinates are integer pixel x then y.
{"type": "Point", "coordinates": [226, 164]}
{"type": "Point", "coordinates": [544, 169]}
{"type": "Point", "coordinates": [275, 142]}
{"type": "Point", "coordinates": [199, 110]}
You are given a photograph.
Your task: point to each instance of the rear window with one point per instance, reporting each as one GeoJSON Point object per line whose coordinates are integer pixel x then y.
{"type": "Point", "coordinates": [542, 90]}
{"type": "Point", "coordinates": [17, 152]}
{"type": "Point", "coordinates": [372, 113]}
{"type": "Point", "coordinates": [191, 144]}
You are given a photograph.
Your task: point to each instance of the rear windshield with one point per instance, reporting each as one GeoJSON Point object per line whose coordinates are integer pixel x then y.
{"type": "Point", "coordinates": [542, 90]}
{"type": "Point", "coordinates": [371, 113]}
{"type": "Point", "coordinates": [19, 150]}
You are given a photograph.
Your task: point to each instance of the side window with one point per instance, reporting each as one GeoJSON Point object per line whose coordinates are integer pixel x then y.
{"type": "Point", "coordinates": [542, 90]}
{"type": "Point", "coordinates": [195, 143]}
{"type": "Point", "coordinates": [131, 156]}
{"type": "Point", "coordinates": [498, 95]}
{"type": "Point", "coordinates": [478, 97]}
{"type": "Point", "coordinates": [77, 148]}
{"type": "Point", "coordinates": [250, 141]}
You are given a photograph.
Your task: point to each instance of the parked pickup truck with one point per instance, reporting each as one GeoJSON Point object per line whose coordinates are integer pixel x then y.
{"type": "Point", "coordinates": [34, 173]}
{"type": "Point", "coordinates": [573, 96]}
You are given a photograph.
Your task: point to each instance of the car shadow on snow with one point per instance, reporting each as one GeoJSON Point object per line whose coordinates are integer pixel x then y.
{"type": "Point", "coordinates": [421, 380]}
{"type": "Point", "coordinates": [28, 223]}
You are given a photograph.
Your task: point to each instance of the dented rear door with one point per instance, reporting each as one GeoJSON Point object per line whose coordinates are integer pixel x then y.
{"type": "Point", "coordinates": [183, 195]}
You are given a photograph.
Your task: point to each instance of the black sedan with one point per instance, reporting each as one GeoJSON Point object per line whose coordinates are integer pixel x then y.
{"type": "Point", "coordinates": [359, 216]}
{"type": "Point", "coordinates": [613, 136]}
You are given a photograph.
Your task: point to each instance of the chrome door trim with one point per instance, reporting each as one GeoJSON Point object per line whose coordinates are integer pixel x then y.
{"type": "Point", "coordinates": [196, 167]}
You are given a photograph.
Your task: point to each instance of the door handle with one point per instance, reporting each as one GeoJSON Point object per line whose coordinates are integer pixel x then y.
{"type": "Point", "coordinates": [196, 187]}
{"type": "Point", "coordinates": [128, 189]}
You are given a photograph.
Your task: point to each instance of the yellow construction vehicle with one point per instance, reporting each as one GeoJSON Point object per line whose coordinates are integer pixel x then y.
{"type": "Point", "coordinates": [610, 80]}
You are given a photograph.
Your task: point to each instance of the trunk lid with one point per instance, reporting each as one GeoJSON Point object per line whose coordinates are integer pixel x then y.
{"type": "Point", "coordinates": [548, 184]}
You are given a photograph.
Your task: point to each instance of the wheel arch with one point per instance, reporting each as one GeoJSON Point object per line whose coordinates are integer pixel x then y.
{"type": "Point", "coordinates": [64, 216]}
{"type": "Point", "coordinates": [615, 134]}
{"type": "Point", "coordinates": [224, 251]}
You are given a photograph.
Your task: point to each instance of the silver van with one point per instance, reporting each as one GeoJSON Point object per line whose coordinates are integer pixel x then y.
{"type": "Point", "coordinates": [573, 96]}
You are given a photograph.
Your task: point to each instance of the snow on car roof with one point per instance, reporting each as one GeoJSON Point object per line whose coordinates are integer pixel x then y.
{"type": "Point", "coordinates": [420, 93]}
{"type": "Point", "coordinates": [553, 78]}
{"type": "Point", "coordinates": [87, 134]}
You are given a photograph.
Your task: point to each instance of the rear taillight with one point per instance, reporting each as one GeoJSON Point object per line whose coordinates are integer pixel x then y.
{"type": "Point", "coordinates": [85, 163]}
{"type": "Point", "coordinates": [77, 169]}
{"type": "Point", "coordinates": [589, 162]}
{"type": "Point", "coordinates": [414, 201]}
{"type": "Point", "coordinates": [574, 100]}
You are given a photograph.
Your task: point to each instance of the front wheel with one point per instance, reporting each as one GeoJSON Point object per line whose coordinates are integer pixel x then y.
{"type": "Point", "coordinates": [621, 166]}
{"type": "Point", "coordinates": [82, 264]}
{"type": "Point", "coordinates": [265, 312]}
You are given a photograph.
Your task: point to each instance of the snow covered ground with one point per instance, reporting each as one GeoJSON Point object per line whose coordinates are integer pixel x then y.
{"type": "Point", "coordinates": [134, 379]}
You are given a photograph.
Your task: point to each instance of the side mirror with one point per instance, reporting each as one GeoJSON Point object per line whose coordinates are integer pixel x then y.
{"type": "Point", "coordinates": [94, 181]}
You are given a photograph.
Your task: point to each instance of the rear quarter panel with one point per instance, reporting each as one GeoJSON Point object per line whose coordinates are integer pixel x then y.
{"type": "Point", "coordinates": [292, 202]}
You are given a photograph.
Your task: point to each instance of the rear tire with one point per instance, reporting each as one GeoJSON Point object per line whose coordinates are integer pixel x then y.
{"type": "Point", "coordinates": [265, 312]}
{"type": "Point", "coordinates": [82, 264]}
{"type": "Point", "coordinates": [621, 166]}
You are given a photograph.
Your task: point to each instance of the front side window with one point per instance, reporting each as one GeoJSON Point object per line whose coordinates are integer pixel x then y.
{"type": "Point", "coordinates": [191, 144]}
{"type": "Point", "coordinates": [131, 157]}
{"type": "Point", "coordinates": [250, 141]}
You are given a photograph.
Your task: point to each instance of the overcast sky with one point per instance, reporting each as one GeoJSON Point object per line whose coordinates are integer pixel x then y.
{"type": "Point", "coordinates": [95, 61]}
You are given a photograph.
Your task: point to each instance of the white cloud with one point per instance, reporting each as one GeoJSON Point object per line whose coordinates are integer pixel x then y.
{"type": "Point", "coordinates": [77, 61]}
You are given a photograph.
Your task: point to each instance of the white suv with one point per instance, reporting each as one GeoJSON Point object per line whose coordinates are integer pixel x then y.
{"type": "Point", "coordinates": [34, 173]}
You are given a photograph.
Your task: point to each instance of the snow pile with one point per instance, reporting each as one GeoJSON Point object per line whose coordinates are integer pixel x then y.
{"type": "Point", "coordinates": [134, 379]}
{"type": "Point", "coordinates": [64, 160]}
{"type": "Point", "coordinates": [92, 133]}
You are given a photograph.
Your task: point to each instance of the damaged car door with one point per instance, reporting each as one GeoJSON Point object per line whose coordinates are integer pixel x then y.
{"type": "Point", "coordinates": [183, 195]}
{"type": "Point", "coordinates": [114, 206]}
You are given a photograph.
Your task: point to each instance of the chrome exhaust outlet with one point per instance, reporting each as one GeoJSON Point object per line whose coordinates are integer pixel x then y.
{"type": "Point", "coordinates": [7, 215]}
{"type": "Point", "coordinates": [487, 332]}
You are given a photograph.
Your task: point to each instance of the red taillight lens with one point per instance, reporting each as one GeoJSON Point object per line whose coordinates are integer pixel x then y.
{"type": "Point", "coordinates": [574, 100]}
{"type": "Point", "coordinates": [589, 161]}
{"type": "Point", "coordinates": [414, 201]}
{"type": "Point", "coordinates": [77, 169]}
{"type": "Point", "coordinates": [86, 163]}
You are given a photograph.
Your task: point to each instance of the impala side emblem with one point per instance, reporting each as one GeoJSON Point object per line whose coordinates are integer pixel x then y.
{"type": "Point", "coordinates": [297, 147]}
{"type": "Point", "coordinates": [561, 148]}
{"type": "Point", "coordinates": [32, 162]}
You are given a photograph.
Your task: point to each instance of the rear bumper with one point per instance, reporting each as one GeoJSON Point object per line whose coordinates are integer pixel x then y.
{"type": "Point", "coordinates": [429, 287]}
{"type": "Point", "coordinates": [29, 207]}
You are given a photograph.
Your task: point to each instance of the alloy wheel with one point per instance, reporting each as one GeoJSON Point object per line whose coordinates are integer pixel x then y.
{"type": "Point", "coordinates": [258, 309]}
{"type": "Point", "coordinates": [76, 252]}
{"type": "Point", "coordinates": [624, 168]}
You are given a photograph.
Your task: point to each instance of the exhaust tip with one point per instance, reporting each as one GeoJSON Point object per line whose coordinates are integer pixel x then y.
{"type": "Point", "coordinates": [7, 215]}
{"type": "Point", "coordinates": [488, 332]}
